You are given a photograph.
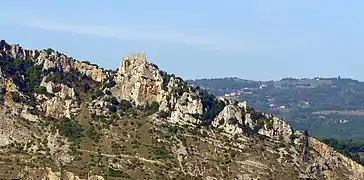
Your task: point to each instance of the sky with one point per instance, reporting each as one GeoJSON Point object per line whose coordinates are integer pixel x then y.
{"type": "Point", "coordinates": [258, 40]}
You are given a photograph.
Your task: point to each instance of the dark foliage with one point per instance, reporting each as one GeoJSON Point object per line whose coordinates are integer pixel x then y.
{"type": "Point", "coordinates": [221, 121]}
{"type": "Point", "coordinates": [166, 77]}
{"type": "Point", "coordinates": [246, 129]}
{"type": "Point", "coordinates": [151, 108]}
{"type": "Point", "coordinates": [17, 98]}
{"type": "Point", "coordinates": [86, 62]}
{"type": "Point", "coordinates": [49, 50]}
{"type": "Point", "coordinates": [107, 92]}
{"type": "Point", "coordinates": [160, 152]}
{"type": "Point", "coordinates": [154, 65]}
{"type": "Point", "coordinates": [125, 105]}
{"type": "Point", "coordinates": [83, 84]}
{"type": "Point", "coordinates": [211, 105]}
{"type": "Point", "coordinates": [92, 133]}
{"type": "Point", "coordinates": [40, 90]}
{"type": "Point", "coordinates": [114, 101]}
{"type": "Point", "coordinates": [111, 83]}
{"type": "Point", "coordinates": [70, 129]}
{"type": "Point", "coordinates": [17, 69]}
{"type": "Point", "coordinates": [112, 108]}
{"type": "Point", "coordinates": [260, 124]}
{"type": "Point", "coordinates": [118, 173]}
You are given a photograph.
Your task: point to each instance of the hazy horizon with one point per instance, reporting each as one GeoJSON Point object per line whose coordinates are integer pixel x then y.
{"type": "Point", "coordinates": [205, 39]}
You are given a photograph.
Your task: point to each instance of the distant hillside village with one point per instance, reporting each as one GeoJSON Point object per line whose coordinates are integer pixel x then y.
{"type": "Point", "coordinates": [244, 91]}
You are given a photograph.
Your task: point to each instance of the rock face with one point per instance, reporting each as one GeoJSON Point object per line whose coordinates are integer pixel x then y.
{"type": "Point", "coordinates": [10, 130]}
{"type": "Point", "coordinates": [64, 102]}
{"type": "Point", "coordinates": [186, 106]}
{"type": "Point", "coordinates": [92, 71]}
{"type": "Point", "coordinates": [53, 59]}
{"type": "Point", "coordinates": [276, 129]}
{"type": "Point", "coordinates": [229, 119]}
{"type": "Point", "coordinates": [138, 80]}
{"type": "Point", "coordinates": [98, 107]}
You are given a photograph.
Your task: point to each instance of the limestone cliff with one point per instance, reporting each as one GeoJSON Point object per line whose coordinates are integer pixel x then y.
{"type": "Point", "coordinates": [49, 58]}
{"type": "Point", "coordinates": [138, 80]}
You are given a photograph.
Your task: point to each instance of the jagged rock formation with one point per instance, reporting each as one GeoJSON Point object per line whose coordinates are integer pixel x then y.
{"type": "Point", "coordinates": [276, 129]}
{"type": "Point", "coordinates": [66, 119]}
{"type": "Point", "coordinates": [138, 80]}
{"type": "Point", "coordinates": [229, 119]}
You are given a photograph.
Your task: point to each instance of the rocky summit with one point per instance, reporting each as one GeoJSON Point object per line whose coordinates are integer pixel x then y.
{"type": "Point", "coordinates": [62, 118]}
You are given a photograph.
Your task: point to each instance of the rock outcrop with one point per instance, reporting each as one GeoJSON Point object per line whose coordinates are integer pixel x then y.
{"type": "Point", "coordinates": [62, 102]}
{"type": "Point", "coordinates": [187, 107]}
{"type": "Point", "coordinates": [276, 129]}
{"type": "Point", "coordinates": [229, 119]}
{"type": "Point", "coordinates": [138, 80]}
{"type": "Point", "coordinates": [92, 71]}
{"type": "Point", "coordinates": [49, 58]}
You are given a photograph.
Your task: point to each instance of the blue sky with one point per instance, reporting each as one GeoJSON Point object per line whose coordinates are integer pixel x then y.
{"type": "Point", "coordinates": [260, 40]}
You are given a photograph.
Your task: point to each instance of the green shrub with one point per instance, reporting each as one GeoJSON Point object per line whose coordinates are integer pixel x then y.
{"type": "Point", "coordinates": [173, 130]}
{"type": "Point", "coordinates": [49, 50]}
{"type": "Point", "coordinates": [86, 62]}
{"type": "Point", "coordinates": [97, 93]}
{"type": "Point", "coordinates": [70, 129]}
{"type": "Point", "coordinates": [255, 115]}
{"type": "Point", "coordinates": [17, 98]}
{"type": "Point", "coordinates": [118, 173]}
{"type": "Point", "coordinates": [270, 124]}
{"type": "Point", "coordinates": [197, 116]}
{"type": "Point", "coordinates": [151, 108]}
{"type": "Point", "coordinates": [92, 133]}
{"type": "Point", "coordinates": [166, 77]}
{"type": "Point", "coordinates": [41, 90]}
{"type": "Point", "coordinates": [125, 105]}
{"type": "Point", "coordinates": [260, 124]}
{"type": "Point", "coordinates": [130, 166]}
{"type": "Point", "coordinates": [246, 129]}
{"type": "Point", "coordinates": [212, 106]}
{"type": "Point", "coordinates": [160, 152]}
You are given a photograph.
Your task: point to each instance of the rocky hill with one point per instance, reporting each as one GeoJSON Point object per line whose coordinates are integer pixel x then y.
{"type": "Point", "coordinates": [67, 119]}
{"type": "Point", "coordinates": [327, 107]}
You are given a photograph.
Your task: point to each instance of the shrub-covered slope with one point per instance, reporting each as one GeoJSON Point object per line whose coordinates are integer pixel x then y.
{"type": "Point", "coordinates": [66, 119]}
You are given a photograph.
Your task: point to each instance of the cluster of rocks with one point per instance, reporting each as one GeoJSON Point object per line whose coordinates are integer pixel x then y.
{"type": "Point", "coordinates": [53, 59]}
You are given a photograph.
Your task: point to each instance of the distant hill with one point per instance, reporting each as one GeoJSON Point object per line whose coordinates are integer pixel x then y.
{"type": "Point", "coordinates": [327, 107]}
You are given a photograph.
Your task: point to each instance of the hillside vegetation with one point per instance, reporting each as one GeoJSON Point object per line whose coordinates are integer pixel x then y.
{"type": "Point", "coordinates": [61, 118]}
